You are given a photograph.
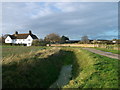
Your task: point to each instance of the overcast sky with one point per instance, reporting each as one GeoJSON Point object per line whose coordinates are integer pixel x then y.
{"type": "Point", "coordinates": [96, 20]}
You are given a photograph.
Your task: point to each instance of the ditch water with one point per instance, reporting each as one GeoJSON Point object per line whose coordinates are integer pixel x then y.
{"type": "Point", "coordinates": [64, 77]}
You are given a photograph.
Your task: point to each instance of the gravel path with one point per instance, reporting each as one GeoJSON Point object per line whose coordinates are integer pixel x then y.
{"type": "Point", "coordinates": [108, 54]}
{"type": "Point", "coordinates": [63, 78]}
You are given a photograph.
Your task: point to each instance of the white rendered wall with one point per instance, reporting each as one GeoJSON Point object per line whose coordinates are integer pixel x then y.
{"type": "Point", "coordinates": [27, 41]}
{"type": "Point", "coordinates": [8, 40]}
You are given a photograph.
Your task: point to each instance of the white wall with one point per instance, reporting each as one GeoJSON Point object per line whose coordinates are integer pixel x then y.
{"type": "Point", "coordinates": [27, 41]}
{"type": "Point", "coordinates": [8, 40]}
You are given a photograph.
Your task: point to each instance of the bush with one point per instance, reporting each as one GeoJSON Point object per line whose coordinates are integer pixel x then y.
{"type": "Point", "coordinates": [39, 42]}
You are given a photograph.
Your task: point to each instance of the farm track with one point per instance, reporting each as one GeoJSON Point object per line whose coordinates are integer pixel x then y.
{"type": "Point", "coordinates": [107, 54]}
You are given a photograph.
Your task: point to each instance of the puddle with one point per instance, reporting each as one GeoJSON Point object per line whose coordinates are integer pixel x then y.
{"type": "Point", "coordinates": [64, 77]}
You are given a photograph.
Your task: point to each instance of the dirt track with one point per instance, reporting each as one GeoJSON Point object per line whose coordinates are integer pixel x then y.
{"type": "Point", "coordinates": [107, 54]}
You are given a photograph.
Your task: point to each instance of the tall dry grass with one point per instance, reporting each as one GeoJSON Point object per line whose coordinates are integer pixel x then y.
{"type": "Point", "coordinates": [34, 70]}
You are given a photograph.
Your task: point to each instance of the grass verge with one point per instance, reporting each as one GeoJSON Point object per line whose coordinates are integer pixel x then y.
{"type": "Point", "coordinates": [109, 50]}
{"type": "Point", "coordinates": [93, 71]}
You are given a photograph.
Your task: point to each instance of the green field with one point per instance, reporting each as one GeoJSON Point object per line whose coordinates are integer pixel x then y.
{"type": "Point", "coordinates": [109, 50]}
{"type": "Point", "coordinates": [39, 67]}
{"type": "Point", "coordinates": [16, 50]}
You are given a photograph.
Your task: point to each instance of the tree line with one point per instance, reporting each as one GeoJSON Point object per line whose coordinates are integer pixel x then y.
{"type": "Point", "coordinates": [50, 39]}
{"type": "Point", "coordinates": [54, 38]}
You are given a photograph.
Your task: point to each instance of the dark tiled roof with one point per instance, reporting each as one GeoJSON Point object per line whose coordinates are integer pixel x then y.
{"type": "Point", "coordinates": [22, 36]}
{"type": "Point", "coordinates": [12, 36]}
{"type": "Point", "coordinates": [34, 36]}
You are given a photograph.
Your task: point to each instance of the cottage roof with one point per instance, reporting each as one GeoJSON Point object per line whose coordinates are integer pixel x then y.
{"type": "Point", "coordinates": [22, 36]}
{"type": "Point", "coordinates": [12, 36]}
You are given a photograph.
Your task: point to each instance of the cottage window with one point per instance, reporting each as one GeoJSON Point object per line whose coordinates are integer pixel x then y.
{"type": "Point", "coordinates": [28, 39]}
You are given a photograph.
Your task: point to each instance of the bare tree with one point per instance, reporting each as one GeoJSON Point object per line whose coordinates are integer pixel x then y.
{"type": "Point", "coordinates": [85, 39]}
{"type": "Point", "coordinates": [53, 38]}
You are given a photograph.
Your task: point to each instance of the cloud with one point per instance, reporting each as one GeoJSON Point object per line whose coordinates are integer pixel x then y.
{"type": "Point", "coordinates": [71, 19]}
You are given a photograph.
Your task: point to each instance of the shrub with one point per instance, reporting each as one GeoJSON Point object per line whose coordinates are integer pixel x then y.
{"type": "Point", "coordinates": [39, 42]}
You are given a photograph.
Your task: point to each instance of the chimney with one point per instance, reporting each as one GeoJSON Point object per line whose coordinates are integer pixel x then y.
{"type": "Point", "coordinates": [16, 33]}
{"type": "Point", "coordinates": [30, 32]}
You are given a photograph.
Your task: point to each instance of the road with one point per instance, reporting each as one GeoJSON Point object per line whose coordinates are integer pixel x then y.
{"type": "Point", "coordinates": [107, 54]}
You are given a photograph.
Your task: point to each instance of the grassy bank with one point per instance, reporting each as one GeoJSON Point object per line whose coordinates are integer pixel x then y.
{"type": "Point", "coordinates": [41, 67]}
{"type": "Point", "coordinates": [93, 71]}
{"type": "Point", "coordinates": [38, 70]}
{"type": "Point", "coordinates": [109, 50]}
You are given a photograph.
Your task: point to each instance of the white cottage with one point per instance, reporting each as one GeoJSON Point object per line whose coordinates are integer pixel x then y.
{"type": "Point", "coordinates": [25, 39]}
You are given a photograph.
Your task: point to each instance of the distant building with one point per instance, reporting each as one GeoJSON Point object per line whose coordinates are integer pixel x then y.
{"type": "Point", "coordinates": [100, 41]}
{"type": "Point", "coordinates": [114, 41]}
{"type": "Point", "coordinates": [25, 38]}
